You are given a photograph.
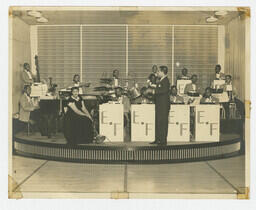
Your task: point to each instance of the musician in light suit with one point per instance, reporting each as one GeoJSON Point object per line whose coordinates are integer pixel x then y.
{"type": "Point", "coordinates": [27, 105]}
{"type": "Point", "coordinates": [162, 106]}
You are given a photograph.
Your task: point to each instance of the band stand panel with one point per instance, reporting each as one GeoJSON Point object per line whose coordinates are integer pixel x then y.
{"type": "Point", "coordinates": [179, 125]}
{"type": "Point", "coordinates": [143, 122]}
{"type": "Point", "coordinates": [112, 121]}
{"type": "Point", "coordinates": [207, 123]}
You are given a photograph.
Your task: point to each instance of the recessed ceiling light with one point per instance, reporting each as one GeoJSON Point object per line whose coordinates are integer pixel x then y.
{"type": "Point", "coordinates": [34, 13]}
{"type": "Point", "coordinates": [42, 20]}
{"type": "Point", "coordinates": [221, 13]}
{"type": "Point", "coordinates": [211, 19]}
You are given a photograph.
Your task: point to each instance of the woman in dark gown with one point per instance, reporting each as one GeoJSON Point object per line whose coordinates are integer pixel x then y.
{"type": "Point", "coordinates": [78, 128]}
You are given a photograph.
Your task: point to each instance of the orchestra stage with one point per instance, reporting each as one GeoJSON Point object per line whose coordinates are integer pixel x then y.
{"type": "Point", "coordinates": [55, 148]}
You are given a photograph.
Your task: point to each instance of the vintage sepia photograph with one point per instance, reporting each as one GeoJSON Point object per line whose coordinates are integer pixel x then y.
{"type": "Point", "coordinates": [129, 102]}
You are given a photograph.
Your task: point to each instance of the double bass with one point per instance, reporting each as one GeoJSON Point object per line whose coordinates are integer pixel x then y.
{"type": "Point", "coordinates": [37, 69]}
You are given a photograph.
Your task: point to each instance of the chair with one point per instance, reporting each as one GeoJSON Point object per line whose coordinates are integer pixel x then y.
{"type": "Point", "coordinates": [222, 112]}
{"type": "Point", "coordinates": [232, 110]}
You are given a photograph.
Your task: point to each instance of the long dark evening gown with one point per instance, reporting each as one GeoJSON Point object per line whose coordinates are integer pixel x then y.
{"type": "Point", "coordinates": [77, 129]}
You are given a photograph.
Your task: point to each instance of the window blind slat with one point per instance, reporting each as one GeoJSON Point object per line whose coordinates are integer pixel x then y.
{"type": "Point", "coordinates": [59, 53]}
{"type": "Point", "coordinates": [104, 49]}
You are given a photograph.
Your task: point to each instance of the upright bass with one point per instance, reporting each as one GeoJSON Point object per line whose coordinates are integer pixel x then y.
{"type": "Point", "coordinates": [37, 69]}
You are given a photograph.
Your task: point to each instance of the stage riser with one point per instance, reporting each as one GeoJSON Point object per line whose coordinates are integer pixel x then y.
{"type": "Point", "coordinates": [102, 154]}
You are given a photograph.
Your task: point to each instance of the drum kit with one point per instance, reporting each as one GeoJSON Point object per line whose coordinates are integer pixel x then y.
{"type": "Point", "coordinates": [107, 89]}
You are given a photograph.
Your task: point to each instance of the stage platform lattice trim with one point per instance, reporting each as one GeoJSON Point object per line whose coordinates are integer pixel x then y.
{"type": "Point", "coordinates": [130, 152]}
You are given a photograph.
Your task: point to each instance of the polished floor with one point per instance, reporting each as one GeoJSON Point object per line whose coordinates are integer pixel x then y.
{"type": "Point", "coordinates": [43, 177]}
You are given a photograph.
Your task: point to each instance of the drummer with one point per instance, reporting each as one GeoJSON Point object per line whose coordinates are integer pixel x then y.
{"type": "Point", "coordinates": [76, 83]}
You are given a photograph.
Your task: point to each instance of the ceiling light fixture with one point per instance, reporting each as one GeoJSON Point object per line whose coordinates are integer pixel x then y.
{"type": "Point", "coordinates": [211, 19]}
{"type": "Point", "coordinates": [42, 20]}
{"type": "Point", "coordinates": [221, 13]}
{"type": "Point", "coordinates": [34, 13]}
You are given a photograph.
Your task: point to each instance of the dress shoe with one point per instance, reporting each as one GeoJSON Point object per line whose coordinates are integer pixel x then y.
{"type": "Point", "coordinates": [154, 142]}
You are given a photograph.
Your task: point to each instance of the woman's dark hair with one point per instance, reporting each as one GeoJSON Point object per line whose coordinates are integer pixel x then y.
{"type": "Point", "coordinates": [74, 88]}
{"type": "Point", "coordinates": [75, 77]}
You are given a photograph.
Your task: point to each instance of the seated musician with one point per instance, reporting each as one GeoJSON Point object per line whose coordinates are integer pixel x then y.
{"type": "Point", "coordinates": [174, 97]}
{"type": "Point", "coordinates": [192, 87]}
{"type": "Point", "coordinates": [219, 75]}
{"type": "Point", "coordinates": [152, 78]}
{"type": "Point", "coordinates": [27, 106]}
{"type": "Point", "coordinates": [78, 128]}
{"type": "Point", "coordinates": [26, 76]}
{"type": "Point", "coordinates": [184, 75]}
{"type": "Point", "coordinates": [208, 98]}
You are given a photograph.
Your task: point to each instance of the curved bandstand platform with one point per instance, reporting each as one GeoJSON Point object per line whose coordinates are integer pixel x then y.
{"type": "Point", "coordinates": [56, 149]}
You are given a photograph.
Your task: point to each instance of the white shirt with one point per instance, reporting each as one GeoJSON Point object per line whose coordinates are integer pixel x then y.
{"type": "Point", "coordinates": [115, 82]}
{"type": "Point", "coordinates": [194, 87]}
{"type": "Point", "coordinates": [29, 74]}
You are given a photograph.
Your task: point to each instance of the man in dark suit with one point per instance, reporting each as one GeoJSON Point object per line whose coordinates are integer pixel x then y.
{"type": "Point", "coordinates": [162, 106]}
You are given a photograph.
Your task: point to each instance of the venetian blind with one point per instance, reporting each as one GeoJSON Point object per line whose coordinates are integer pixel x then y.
{"type": "Point", "coordinates": [148, 45]}
{"type": "Point", "coordinates": [59, 53]}
{"type": "Point", "coordinates": [104, 49]}
{"type": "Point", "coordinates": [97, 50]}
{"type": "Point", "coordinates": [196, 48]}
